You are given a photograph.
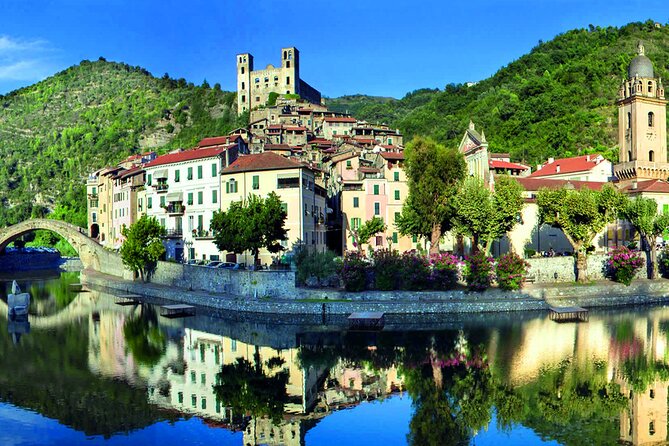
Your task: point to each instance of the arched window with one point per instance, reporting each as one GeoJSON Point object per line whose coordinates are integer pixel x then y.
{"type": "Point", "coordinates": [651, 119]}
{"type": "Point", "coordinates": [242, 70]}
{"type": "Point", "coordinates": [629, 120]}
{"type": "Point", "coordinates": [285, 55]}
{"type": "Point", "coordinates": [651, 156]}
{"type": "Point", "coordinates": [629, 155]}
{"type": "Point", "coordinates": [287, 64]}
{"type": "Point", "coordinates": [650, 87]}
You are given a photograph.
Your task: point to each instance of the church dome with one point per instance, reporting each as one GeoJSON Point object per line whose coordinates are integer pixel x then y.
{"type": "Point", "coordinates": [641, 65]}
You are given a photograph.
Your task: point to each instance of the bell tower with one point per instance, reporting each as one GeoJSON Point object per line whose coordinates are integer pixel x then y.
{"type": "Point", "coordinates": [642, 123]}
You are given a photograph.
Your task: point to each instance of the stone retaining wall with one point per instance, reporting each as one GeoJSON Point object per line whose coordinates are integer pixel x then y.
{"type": "Point", "coordinates": [563, 269]}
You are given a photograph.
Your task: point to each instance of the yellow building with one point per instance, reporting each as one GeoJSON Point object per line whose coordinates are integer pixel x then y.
{"type": "Point", "coordinates": [293, 182]}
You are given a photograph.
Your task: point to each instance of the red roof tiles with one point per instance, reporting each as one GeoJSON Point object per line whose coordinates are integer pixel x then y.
{"type": "Point", "coordinates": [341, 119]}
{"type": "Point", "coordinates": [656, 186]}
{"type": "Point", "coordinates": [499, 164]}
{"type": "Point", "coordinates": [392, 155]}
{"type": "Point", "coordinates": [187, 155]}
{"type": "Point", "coordinates": [218, 140]}
{"type": "Point", "coordinates": [261, 161]}
{"type": "Point", "coordinates": [568, 165]}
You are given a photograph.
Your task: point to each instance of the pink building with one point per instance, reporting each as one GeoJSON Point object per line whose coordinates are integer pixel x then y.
{"type": "Point", "coordinates": [124, 201]}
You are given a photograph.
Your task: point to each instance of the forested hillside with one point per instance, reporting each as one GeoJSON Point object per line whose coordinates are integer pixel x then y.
{"type": "Point", "coordinates": [54, 133]}
{"type": "Point", "coordinates": [558, 100]}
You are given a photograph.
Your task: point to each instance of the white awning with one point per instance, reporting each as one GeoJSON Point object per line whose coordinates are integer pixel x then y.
{"type": "Point", "coordinates": [175, 196]}
{"type": "Point", "coordinates": [160, 174]}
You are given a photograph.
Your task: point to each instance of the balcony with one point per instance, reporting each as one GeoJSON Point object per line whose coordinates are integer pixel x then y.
{"type": "Point", "coordinates": [174, 233]}
{"type": "Point", "coordinates": [200, 234]}
{"type": "Point", "coordinates": [160, 187]}
{"type": "Point", "coordinates": [175, 208]}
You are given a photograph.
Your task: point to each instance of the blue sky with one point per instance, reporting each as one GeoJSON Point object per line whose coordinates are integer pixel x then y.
{"type": "Point", "coordinates": [385, 48]}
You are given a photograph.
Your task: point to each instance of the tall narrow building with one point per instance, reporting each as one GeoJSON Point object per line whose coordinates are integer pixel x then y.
{"type": "Point", "coordinates": [642, 123]}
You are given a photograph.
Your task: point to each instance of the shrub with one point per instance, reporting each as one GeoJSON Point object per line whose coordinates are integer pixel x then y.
{"type": "Point", "coordinates": [624, 263]}
{"type": "Point", "coordinates": [387, 267]}
{"type": "Point", "coordinates": [478, 272]}
{"type": "Point", "coordinates": [511, 271]}
{"type": "Point", "coordinates": [320, 265]}
{"type": "Point", "coordinates": [353, 271]}
{"type": "Point", "coordinates": [529, 253]}
{"type": "Point", "coordinates": [445, 271]}
{"type": "Point", "coordinates": [415, 273]}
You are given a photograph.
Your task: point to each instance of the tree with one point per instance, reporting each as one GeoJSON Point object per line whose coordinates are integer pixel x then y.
{"type": "Point", "coordinates": [434, 175]}
{"type": "Point", "coordinates": [250, 226]}
{"type": "Point", "coordinates": [486, 215]}
{"type": "Point", "coordinates": [368, 229]}
{"type": "Point", "coordinates": [409, 222]}
{"type": "Point", "coordinates": [143, 245]}
{"type": "Point", "coordinates": [642, 214]}
{"type": "Point", "coordinates": [581, 215]}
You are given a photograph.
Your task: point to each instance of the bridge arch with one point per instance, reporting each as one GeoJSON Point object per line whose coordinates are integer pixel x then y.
{"type": "Point", "coordinates": [93, 255]}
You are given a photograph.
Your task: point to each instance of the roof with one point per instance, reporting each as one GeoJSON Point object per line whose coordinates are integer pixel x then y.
{"type": "Point", "coordinates": [364, 140]}
{"type": "Point", "coordinates": [499, 155]}
{"type": "Point", "coordinates": [534, 184]}
{"type": "Point", "coordinates": [218, 140]}
{"type": "Point", "coordinates": [130, 172]}
{"type": "Point", "coordinates": [499, 164]}
{"type": "Point", "coordinates": [392, 155]}
{"type": "Point", "coordinates": [296, 129]}
{"type": "Point", "coordinates": [186, 155]}
{"type": "Point", "coordinates": [276, 147]}
{"type": "Point", "coordinates": [368, 169]}
{"type": "Point", "coordinates": [656, 186]}
{"type": "Point", "coordinates": [261, 161]}
{"type": "Point", "coordinates": [340, 119]}
{"type": "Point", "coordinates": [568, 165]}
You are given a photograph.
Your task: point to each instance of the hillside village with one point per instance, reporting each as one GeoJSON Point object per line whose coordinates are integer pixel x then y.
{"type": "Point", "coordinates": [333, 172]}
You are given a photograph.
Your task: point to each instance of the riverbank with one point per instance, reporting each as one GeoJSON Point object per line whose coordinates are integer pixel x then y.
{"type": "Point", "coordinates": [535, 297]}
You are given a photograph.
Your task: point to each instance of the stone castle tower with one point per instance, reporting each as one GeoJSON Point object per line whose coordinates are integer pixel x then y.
{"type": "Point", "coordinates": [254, 86]}
{"type": "Point", "coordinates": [642, 123]}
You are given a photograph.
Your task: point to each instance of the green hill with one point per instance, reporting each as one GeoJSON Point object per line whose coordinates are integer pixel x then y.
{"type": "Point", "coordinates": [54, 133]}
{"type": "Point", "coordinates": [558, 100]}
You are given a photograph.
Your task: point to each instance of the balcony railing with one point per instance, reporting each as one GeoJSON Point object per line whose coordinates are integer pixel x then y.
{"type": "Point", "coordinates": [174, 233]}
{"type": "Point", "coordinates": [175, 209]}
{"type": "Point", "coordinates": [161, 187]}
{"type": "Point", "coordinates": [202, 234]}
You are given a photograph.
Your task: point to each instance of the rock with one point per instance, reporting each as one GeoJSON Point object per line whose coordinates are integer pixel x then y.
{"type": "Point", "coordinates": [312, 282]}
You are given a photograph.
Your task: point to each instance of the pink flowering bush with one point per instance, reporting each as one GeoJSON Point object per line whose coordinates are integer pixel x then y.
{"type": "Point", "coordinates": [511, 271]}
{"type": "Point", "coordinates": [415, 273]}
{"type": "Point", "coordinates": [353, 271]}
{"type": "Point", "coordinates": [624, 263]}
{"type": "Point", "coordinates": [445, 271]}
{"type": "Point", "coordinates": [478, 271]}
{"type": "Point", "coordinates": [388, 266]}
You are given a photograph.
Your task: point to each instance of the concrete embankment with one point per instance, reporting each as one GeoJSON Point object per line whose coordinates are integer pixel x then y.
{"type": "Point", "coordinates": [534, 297]}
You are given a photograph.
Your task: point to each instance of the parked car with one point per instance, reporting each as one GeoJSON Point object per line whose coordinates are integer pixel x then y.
{"type": "Point", "coordinates": [195, 262]}
{"type": "Point", "coordinates": [213, 264]}
{"type": "Point", "coordinates": [228, 265]}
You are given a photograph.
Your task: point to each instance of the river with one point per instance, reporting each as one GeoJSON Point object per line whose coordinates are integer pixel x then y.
{"type": "Point", "coordinates": [83, 369]}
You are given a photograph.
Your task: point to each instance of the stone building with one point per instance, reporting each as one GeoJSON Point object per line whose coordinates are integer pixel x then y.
{"type": "Point", "coordinates": [255, 86]}
{"type": "Point", "coordinates": [642, 123]}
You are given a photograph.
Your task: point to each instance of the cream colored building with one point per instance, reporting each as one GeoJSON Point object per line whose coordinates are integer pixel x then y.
{"type": "Point", "coordinates": [642, 129]}
{"type": "Point", "coordinates": [295, 184]}
{"type": "Point", "coordinates": [255, 86]}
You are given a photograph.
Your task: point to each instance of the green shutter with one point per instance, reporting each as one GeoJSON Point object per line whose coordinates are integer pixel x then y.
{"type": "Point", "coordinates": [376, 189]}
{"type": "Point", "coordinates": [397, 195]}
{"type": "Point", "coordinates": [200, 198]}
{"type": "Point", "coordinates": [397, 176]}
{"type": "Point", "coordinates": [190, 198]}
{"type": "Point", "coordinates": [256, 182]}
{"type": "Point", "coordinates": [149, 202]}
{"type": "Point", "coordinates": [394, 237]}
{"type": "Point", "coordinates": [214, 196]}
{"type": "Point", "coordinates": [162, 201]}
{"type": "Point", "coordinates": [199, 172]}
{"type": "Point", "coordinates": [177, 175]}
{"type": "Point", "coordinates": [190, 173]}
{"type": "Point", "coordinates": [213, 170]}
{"type": "Point", "coordinates": [356, 202]}
{"type": "Point", "coordinates": [148, 182]}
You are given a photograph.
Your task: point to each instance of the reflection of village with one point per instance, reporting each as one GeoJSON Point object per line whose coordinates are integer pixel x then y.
{"type": "Point", "coordinates": [183, 378]}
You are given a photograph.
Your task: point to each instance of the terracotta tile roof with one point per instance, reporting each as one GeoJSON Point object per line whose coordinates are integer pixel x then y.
{"type": "Point", "coordinates": [130, 172]}
{"type": "Point", "coordinates": [392, 155]}
{"type": "Point", "coordinates": [364, 140]}
{"type": "Point", "coordinates": [276, 147]}
{"type": "Point", "coordinates": [499, 164]}
{"type": "Point", "coordinates": [368, 170]}
{"type": "Point", "coordinates": [341, 119]}
{"type": "Point", "coordinates": [296, 129]}
{"type": "Point", "coordinates": [187, 155]}
{"type": "Point", "coordinates": [569, 165]}
{"type": "Point", "coordinates": [534, 184]}
{"type": "Point", "coordinates": [657, 186]}
{"type": "Point", "coordinates": [261, 161]}
{"type": "Point", "coordinates": [218, 140]}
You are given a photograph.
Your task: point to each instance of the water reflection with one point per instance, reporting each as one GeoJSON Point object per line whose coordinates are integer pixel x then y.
{"type": "Point", "coordinates": [106, 369]}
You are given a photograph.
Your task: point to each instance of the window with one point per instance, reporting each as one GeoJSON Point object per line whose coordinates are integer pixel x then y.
{"type": "Point", "coordinates": [629, 120]}
{"type": "Point", "coordinates": [377, 208]}
{"type": "Point", "coordinates": [200, 197]}
{"type": "Point", "coordinates": [177, 175]}
{"type": "Point", "coordinates": [204, 403]}
{"type": "Point", "coordinates": [257, 98]}
{"type": "Point", "coordinates": [243, 85]}
{"type": "Point", "coordinates": [376, 189]}
{"type": "Point", "coordinates": [394, 237]}
{"type": "Point", "coordinates": [348, 163]}
{"type": "Point", "coordinates": [180, 397]}
{"type": "Point", "coordinates": [397, 216]}
{"type": "Point", "coordinates": [213, 170]}
{"type": "Point", "coordinates": [242, 70]}
{"type": "Point", "coordinates": [162, 201]}
{"type": "Point", "coordinates": [233, 345]}
{"type": "Point", "coordinates": [149, 202]}
{"type": "Point", "coordinates": [199, 172]}
{"type": "Point", "coordinates": [203, 378]}
{"type": "Point", "coordinates": [396, 176]}
{"type": "Point", "coordinates": [650, 87]}
{"type": "Point", "coordinates": [190, 174]}
{"type": "Point", "coordinates": [651, 119]}
{"type": "Point", "coordinates": [256, 182]}
{"type": "Point", "coordinates": [214, 196]}
{"type": "Point", "coordinates": [397, 195]}
{"type": "Point", "coordinates": [356, 202]}
{"type": "Point", "coordinates": [257, 80]}
{"type": "Point", "coordinates": [243, 98]}
{"type": "Point", "coordinates": [379, 240]}
{"type": "Point", "coordinates": [193, 379]}
{"type": "Point", "coordinates": [193, 400]}
{"type": "Point", "coordinates": [231, 187]}
{"type": "Point", "coordinates": [355, 223]}
{"type": "Point", "coordinates": [284, 207]}
{"type": "Point", "coordinates": [190, 199]}
{"type": "Point", "coordinates": [148, 180]}
{"type": "Point", "coordinates": [652, 394]}
{"type": "Point", "coordinates": [200, 222]}
{"type": "Point", "coordinates": [414, 239]}
{"type": "Point", "coordinates": [651, 155]}
{"type": "Point", "coordinates": [651, 428]}
{"type": "Point", "coordinates": [287, 80]}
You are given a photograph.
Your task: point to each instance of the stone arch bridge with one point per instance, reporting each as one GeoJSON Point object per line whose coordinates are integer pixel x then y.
{"type": "Point", "coordinates": [93, 256]}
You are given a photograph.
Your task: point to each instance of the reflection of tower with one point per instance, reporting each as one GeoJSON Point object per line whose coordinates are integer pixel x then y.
{"type": "Point", "coordinates": [264, 431]}
{"type": "Point", "coordinates": [645, 422]}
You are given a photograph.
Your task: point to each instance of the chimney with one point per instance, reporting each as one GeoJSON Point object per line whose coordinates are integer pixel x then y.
{"type": "Point", "coordinates": [551, 160]}
{"type": "Point", "coordinates": [635, 185]}
{"type": "Point", "coordinates": [557, 169]}
{"type": "Point", "coordinates": [539, 166]}
{"type": "Point", "coordinates": [587, 158]}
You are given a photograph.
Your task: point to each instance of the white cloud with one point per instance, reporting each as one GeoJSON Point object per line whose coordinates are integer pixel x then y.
{"type": "Point", "coordinates": [24, 59]}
